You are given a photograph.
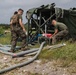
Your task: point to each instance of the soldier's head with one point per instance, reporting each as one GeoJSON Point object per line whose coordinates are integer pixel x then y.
{"type": "Point", "coordinates": [15, 12]}
{"type": "Point", "coordinates": [20, 11]}
{"type": "Point", "coordinates": [54, 22]}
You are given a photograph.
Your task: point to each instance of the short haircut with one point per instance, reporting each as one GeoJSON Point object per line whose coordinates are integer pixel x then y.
{"type": "Point", "coordinates": [21, 10]}
{"type": "Point", "coordinates": [15, 12]}
{"type": "Point", "coordinates": [53, 19]}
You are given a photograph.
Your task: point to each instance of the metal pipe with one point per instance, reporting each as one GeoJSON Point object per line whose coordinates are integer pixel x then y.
{"type": "Point", "coordinates": [24, 63]}
{"type": "Point", "coordinates": [28, 30]}
{"type": "Point", "coordinates": [40, 22]}
{"type": "Point", "coordinates": [47, 20]}
{"type": "Point", "coordinates": [38, 26]}
{"type": "Point", "coordinates": [45, 25]}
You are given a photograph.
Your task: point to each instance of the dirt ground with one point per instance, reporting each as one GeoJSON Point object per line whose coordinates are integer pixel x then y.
{"type": "Point", "coordinates": [38, 67]}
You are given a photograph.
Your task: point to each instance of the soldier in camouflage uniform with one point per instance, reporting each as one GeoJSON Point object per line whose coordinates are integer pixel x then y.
{"type": "Point", "coordinates": [61, 30]}
{"type": "Point", "coordinates": [18, 30]}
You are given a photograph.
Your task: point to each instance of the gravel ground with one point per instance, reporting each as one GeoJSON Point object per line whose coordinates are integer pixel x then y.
{"type": "Point", "coordinates": [38, 67]}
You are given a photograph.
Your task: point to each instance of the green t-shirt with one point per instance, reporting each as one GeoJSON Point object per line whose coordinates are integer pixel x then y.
{"type": "Point", "coordinates": [17, 26]}
{"type": "Point", "coordinates": [60, 26]}
{"type": "Point", "coordinates": [19, 17]}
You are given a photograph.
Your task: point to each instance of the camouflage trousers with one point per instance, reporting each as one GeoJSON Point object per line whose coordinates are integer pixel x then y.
{"type": "Point", "coordinates": [15, 34]}
{"type": "Point", "coordinates": [60, 34]}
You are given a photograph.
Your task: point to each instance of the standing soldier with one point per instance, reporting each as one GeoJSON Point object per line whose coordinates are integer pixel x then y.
{"type": "Point", "coordinates": [17, 30]}
{"type": "Point", "coordinates": [61, 30]}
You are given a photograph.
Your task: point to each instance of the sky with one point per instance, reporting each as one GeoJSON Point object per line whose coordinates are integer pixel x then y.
{"type": "Point", "coordinates": [7, 7]}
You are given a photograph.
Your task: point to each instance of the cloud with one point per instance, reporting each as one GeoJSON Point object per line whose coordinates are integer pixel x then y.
{"type": "Point", "coordinates": [65, 1]}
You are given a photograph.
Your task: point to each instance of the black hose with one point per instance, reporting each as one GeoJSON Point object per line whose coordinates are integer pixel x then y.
{"type": "Point", "coordinates": [24, 52]}
{"type": "Point", "coordinates": [20, 53]}
{"type": "Point", "coordinates": [24, 63]}
{"type": "Point", "coordinates": [30, 54]}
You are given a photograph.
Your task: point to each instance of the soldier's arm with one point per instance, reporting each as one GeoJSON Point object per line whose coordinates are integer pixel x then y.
{"type": "Point", "coordinates": [21, 24]}
{"type": "Point", "coordinates": [56, 31]}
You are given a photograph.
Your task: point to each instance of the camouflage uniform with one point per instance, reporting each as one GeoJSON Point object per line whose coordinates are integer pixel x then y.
{"type": "Point", "coordinates": [62, 32]}
{"type": "Point", "coordinates": [16, 33]}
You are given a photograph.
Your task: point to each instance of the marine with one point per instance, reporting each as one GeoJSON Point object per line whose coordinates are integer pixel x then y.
{"type": "Point", "coordinates": [17, 30]}
{"type": "Point", "coordinates": [61, 31]}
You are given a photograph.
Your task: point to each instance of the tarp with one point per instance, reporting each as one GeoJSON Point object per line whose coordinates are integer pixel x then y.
{"type": "Point", "coordinates": [70, 20]}
{"type": "Point", "coordinates": [68, 16]}
{"type": "Point", "coordinates": [35, 10]}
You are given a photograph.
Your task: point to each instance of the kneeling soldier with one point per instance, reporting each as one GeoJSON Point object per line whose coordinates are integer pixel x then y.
{"type": "Point", "coordinates": [61, 30]}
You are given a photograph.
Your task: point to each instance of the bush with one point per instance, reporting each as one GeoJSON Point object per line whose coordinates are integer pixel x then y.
{"type": "Point", "coordinates": [1, 30]}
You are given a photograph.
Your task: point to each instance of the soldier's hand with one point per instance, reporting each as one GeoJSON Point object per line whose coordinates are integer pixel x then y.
{"type": "Point", "coordinates": [51, 37]}
{"type": "Point", "coordinates": [24, 30]}
{"type": "Point", "coordinates": [26, 33]}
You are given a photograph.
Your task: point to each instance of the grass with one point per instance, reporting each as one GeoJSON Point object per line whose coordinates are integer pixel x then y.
{"type": "Point", "coordinates": [66, 54]}
{"type": "Point", "coordinates": [5, 39]}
